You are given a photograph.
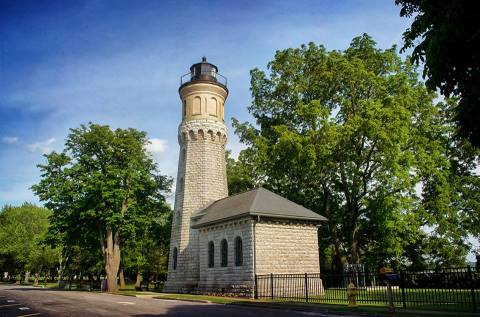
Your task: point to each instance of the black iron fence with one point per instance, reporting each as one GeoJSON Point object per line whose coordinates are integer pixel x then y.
{"type": "Point", "coordinates": [455, 289]}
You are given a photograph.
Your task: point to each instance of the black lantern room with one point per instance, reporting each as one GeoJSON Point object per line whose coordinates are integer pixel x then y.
{"type": "Point", "coordinates": [204, 71]}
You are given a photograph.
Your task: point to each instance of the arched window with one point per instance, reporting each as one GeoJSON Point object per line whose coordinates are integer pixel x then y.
{"type": "Point", "coordinates": [211, 254]}
{"type": "Point", "coordinates": [238, 251]}
{"type": "Point", "coordinates": [197, 106]}
{"type": "Point", "coordinates": [180, 184]}
{"type": "Point", "coordinates": [177, 217]}
{"type": "Point", "coordinates": [175, 258]}
{"type": "Point", "coordinates": [224, 247]}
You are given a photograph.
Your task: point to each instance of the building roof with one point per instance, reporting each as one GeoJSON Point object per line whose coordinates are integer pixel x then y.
{"type": "Point", "coordinates": [256, 202]}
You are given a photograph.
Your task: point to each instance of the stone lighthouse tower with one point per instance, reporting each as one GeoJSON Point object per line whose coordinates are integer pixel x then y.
{"type": "Point", "coordinates": [201, 177]}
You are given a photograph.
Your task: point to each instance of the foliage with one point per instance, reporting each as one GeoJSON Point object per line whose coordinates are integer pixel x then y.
{"type": "Point", "coordinates": [103, 184]}
{"type": "Point", "coordinates": [352, 135]}
{"type": "Point", "coordinates": [22, 232]}
{"type": "Point", "coordinates": [148, 252]}
{"type": "Point", "coordinates": [239, 177]}
{"type": "Point", "coordinates": [445, 36]}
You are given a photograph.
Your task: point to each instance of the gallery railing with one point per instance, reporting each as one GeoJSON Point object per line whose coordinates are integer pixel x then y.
{"type": "Point", "coordinates": [456, 289]}
{"type": "Point", "coordinates": [205, 75]}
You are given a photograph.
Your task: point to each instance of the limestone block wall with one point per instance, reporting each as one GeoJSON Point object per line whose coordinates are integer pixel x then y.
{"type": "Point", "coordinates": [201, 179]}
{"type": "Point", "coordinates": [232, 278]}
{"type": "Point", "coordinates": [286, 247]}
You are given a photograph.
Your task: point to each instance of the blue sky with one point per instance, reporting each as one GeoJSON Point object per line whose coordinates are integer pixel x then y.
{"type": "Point", "coordinates": [64, 63]}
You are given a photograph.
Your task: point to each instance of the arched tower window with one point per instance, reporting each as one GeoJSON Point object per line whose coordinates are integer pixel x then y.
{"type": "Point", "coordinates": [211, 254]}
{"type": "Point", "coordinates": [175, 258]}
{"type": "Point", "coordinates": [212, 107]}
{"type": "Point", "coordinates": [183, 154]}
{"type": "Point", "coordinates": [177, 217]}
{"type": "Point", "coordinates": [238, 251]}
{"type": "Point", "coordinates": [184, 108]}
{"type": "Point", "coordinates": [224, 252]}
{"type": "Point", "coordinates": [180, 184]}
{"type": "Point", "coordinates": [197, 105]}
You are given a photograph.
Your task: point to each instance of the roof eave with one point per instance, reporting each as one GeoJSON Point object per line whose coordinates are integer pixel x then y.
{"type": "Point", "coordinates": [261, 214]}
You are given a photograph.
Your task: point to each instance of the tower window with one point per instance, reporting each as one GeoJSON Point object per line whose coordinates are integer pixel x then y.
{"type": "Point", "coordinates": [211, 254]}
{"type": "Point", "coordinates": [224, 252]}
{"type": "Point", "coordinates": [184, 108]}
{"type": "Point", "coordinates": [180, 184]}
{"type": "Point", "coordinates": [238, 251]}
{"type": "Point", "coordinates": [177, 217]}
{"type": "Point", "coordinates": [175, 258]}
{"type": "Point", "coordinates": [197, 106]}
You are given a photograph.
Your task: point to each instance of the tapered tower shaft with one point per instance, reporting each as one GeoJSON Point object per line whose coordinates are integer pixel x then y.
{"type": "Point", "coordinates": [201, 176]}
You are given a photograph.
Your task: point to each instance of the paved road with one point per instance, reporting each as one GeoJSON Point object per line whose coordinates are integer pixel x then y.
{"type": "Point", "coordinates": [29, 301]}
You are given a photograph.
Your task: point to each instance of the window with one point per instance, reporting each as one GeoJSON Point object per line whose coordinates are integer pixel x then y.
{"type": "Point", "coordinates": [197, 106]}
{"type": "Point", "coordinates": [177, 217]}
{"type": "Point", "coordinates": [238, 251]}
{"type": "Point", "coordinates": [175, 258]}
{"type": "Point", "coordinates": [224, 247]}
{"type": "Point", "coordinates": [184, 108]}
{"type": "Point", "coordinates": [180, 184]}
{"type": "Point", "coordinates": [211, 254]}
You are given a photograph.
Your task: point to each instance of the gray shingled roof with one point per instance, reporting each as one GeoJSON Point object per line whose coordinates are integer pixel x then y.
{"type": "Point", "coordinates": [256, 202]}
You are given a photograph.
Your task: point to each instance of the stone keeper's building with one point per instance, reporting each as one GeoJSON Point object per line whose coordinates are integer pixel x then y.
{"type": "Point", "coordinates": [219, 243]}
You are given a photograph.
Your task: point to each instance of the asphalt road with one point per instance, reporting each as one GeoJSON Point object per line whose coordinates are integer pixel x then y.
{"type": "Point", "coordinates": [29, 301]}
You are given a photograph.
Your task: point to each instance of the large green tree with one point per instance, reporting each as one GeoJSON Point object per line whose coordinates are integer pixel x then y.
{"type": "Point", "coordinates": [445, 37]}
{"type": "Point", "coordinates": [147, 252]}
{"type": "Point", "coordinates": [239, 176]}
{"type": "Point", "coordinates": [104, 182]}
{"type": "Point", "coordinates": [352, 135]}
{"type": "Point", "coordinates": [22, 234]}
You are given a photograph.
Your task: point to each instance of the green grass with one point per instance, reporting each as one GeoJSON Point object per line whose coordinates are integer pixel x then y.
{"type": "Point", "coordinates": [426, 299]}
{"type": "Point", "coordinates": [330, 307]}
{"type": "Point", "coordinates": [202, 298]}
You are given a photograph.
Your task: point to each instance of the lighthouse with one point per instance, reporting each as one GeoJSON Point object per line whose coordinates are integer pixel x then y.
{"type": "Point", "coordinates": [201, 177]}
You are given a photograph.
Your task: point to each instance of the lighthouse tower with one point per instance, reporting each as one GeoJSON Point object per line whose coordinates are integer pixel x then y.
{"type": "Point", "coordinates": [201, 177]}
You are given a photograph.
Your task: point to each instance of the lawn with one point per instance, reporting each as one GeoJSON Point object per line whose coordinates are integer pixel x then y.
{"type": "Point", "coordinates": [428, 299]}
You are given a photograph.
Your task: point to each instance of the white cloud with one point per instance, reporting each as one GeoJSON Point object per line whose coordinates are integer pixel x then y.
{"type": "Point", "coordinates": [10, 140]}
{"type": "Point", "coordinates": [156, 147]}
{"type": "Point", "coordinates": [42, 146]}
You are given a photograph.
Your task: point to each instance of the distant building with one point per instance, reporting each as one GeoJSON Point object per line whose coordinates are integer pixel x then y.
{"type": "Point", "coordinates": [219, 243]}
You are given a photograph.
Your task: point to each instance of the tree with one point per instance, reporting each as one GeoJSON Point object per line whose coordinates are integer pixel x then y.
{"type": "Point", "coordinates": [348, 134]}
{"type": "Point", "coordinates": [22, 232]}
{"type": "Point", "coordinates": [445, 36]}
{"type": "Point", "coordinates": [239, 178]}
{"type": "Point", "coordinates": [147, 253]}
{"type": "Point", "coordinates": [104, 182]}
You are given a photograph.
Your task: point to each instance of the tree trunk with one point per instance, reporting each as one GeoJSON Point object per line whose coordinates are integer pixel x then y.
{"type": "Point", "coordinates": [112, 258]}
{"type": "Point", "coordinates": [122, 279]}
{"type": "Point", "coordinates": [338, 257]}
{"type": "Point", "coordinates": [35, 280]}
{"type": "Point", "coordinates": [138, 281]}
{"type": "Point", "coordinates": [354, 252]}
{"type": "Point", "coordinates": [27, 277]}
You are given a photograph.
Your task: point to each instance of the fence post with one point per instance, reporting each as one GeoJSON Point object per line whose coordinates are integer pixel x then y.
{"type": "Point", "coordinates": [306, 288]}
{"type": "Point", "coordinates": [472, 289]}
{"type": "Point", "coordinates": [255, 296]}
{"type": "Point", "coordinates": [402, 286]}
{"type": "Point", "coordinates": [271, 285]}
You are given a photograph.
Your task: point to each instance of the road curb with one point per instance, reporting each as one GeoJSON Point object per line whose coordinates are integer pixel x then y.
{"type": "Point", "coordinates": [187, 300]}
